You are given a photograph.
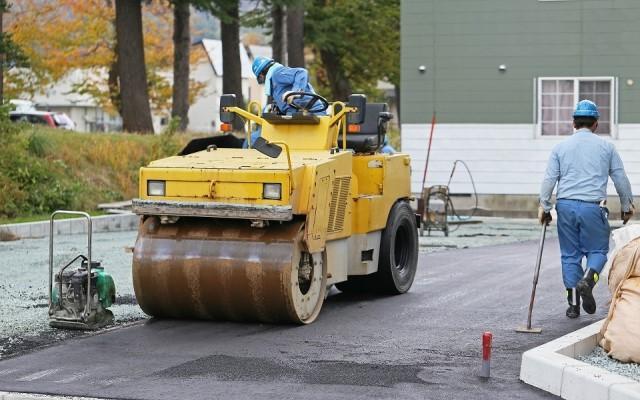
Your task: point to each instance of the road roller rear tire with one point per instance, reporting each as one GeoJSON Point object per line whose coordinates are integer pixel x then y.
{"type": "Point", "coordinates": [398, 259]}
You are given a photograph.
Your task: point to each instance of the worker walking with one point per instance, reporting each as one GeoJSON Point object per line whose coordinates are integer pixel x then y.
{"type": "Point", "coordinates": [581, 166]}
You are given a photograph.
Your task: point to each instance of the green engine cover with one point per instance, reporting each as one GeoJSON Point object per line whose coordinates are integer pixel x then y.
{"type": "Point", "coordinates": [104, 284]}
{"type": "Point", "coordinates": [106, 288]}
{"type": "Point", "coordinates": [54, 295]}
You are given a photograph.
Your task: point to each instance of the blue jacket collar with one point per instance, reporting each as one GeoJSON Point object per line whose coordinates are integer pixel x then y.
{"type": "Point", "coordinates": [267, 80]}
{"type": "Point", "coordinates": [583, 132]}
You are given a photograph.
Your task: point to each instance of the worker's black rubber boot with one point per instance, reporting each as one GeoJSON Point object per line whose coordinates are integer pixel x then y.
{"type": "Point", "coordinates": [574, 303]}
{"type": "Point", "coordinates": [585, 289]}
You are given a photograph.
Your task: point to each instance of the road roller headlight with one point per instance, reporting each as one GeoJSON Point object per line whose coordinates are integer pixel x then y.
{"type": "Point", "coordinates": [272, 191]}
{"type": "Point", "coordinates": [155, 188]}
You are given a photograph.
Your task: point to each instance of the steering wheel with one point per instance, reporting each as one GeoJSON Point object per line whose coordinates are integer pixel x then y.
{"type": "Point", "coordinates": [314, 98]}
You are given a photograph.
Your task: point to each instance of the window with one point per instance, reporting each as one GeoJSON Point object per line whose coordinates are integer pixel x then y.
{"type": "Point", "coordinates": [557, 99]}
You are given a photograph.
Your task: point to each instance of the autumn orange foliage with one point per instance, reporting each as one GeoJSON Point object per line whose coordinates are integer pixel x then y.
{"type": "Point", "coordinates": [64, 35]}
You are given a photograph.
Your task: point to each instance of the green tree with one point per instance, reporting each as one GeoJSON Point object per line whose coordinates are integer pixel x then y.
{"type": "Point", "coordinates": [355, 43]}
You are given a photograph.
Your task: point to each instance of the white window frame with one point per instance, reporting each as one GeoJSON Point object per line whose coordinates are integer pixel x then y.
{"type": "Point", "coordinates": [576, 92]}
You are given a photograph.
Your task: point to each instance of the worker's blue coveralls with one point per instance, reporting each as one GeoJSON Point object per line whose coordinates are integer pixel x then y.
{"type": "Point", "coordinates": [581, 166]}
{"type": "Point", "coordinates": [281, 79]}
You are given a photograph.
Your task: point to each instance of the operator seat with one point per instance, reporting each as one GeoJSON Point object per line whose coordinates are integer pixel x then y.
{"type": "Point", "coordinates": [372, 132]}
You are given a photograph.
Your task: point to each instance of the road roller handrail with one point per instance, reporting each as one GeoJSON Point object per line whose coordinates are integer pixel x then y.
{"type": "Point", "coordinates": [286, 148]}
{"type": "Point", "coordinates": [258, 107]}
{"type": "Point", "coordinates": [341, 117]}
{"type": "Point", "coordinates": [89, 230]}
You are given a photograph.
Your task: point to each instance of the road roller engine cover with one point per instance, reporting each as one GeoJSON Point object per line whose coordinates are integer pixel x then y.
{"type": "Point", "coordinates": [261, 233]}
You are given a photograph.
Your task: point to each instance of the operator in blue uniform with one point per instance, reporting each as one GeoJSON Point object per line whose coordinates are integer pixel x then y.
{"type": "Point", "coordinates": [279, 82]}
{"type": "Point", "coordinates": [581, 166]}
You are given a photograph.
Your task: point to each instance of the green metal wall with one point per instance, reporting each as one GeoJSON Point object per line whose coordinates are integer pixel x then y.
{"type": "Point", "coordinates": [462, 43]}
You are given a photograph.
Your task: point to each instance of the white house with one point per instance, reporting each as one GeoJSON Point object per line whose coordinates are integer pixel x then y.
{"type": "Point", "coordinates": [503, 80]}
{"type": "Point", "coordinates": [63, 97]}
{"type": "Point", "coordinates": [204, 111]}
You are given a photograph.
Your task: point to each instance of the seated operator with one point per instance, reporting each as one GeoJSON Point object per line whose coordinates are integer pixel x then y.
{"type": "Point", "coordinates": [279, 81]}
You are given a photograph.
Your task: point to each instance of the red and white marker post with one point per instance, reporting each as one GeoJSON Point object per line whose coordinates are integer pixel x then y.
{"type": "Point", "coordinates": [487, 338]}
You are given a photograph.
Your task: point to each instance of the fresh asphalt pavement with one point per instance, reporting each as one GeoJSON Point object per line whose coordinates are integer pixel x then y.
{"type": "Point", "coordinates": [425, 344]}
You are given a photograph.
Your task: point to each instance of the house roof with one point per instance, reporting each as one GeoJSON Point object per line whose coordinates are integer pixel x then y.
{"type": "Point", "coordinates": [213, 47]}
{"type": "Point", "coordinates": [256, 50]}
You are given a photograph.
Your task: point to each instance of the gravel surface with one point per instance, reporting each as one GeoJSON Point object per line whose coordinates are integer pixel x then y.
{"type": "Point", "coordinates": [24, 279]}
{"type": "Point", "coordinates": [24, 266]}
{"type": "Point", "coordinates": [599, 358]}
{"type": "Point", "coordinates": [486, 231]}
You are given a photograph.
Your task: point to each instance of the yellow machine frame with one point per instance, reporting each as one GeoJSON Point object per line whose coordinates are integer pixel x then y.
{"type": "Point", "coordinates": [317, 214]}
{"type": "Point", "coordinates": [313, 178]}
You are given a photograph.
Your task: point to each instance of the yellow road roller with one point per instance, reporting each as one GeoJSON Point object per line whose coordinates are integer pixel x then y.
{"type": "Point", "coordinates": [261, 233]}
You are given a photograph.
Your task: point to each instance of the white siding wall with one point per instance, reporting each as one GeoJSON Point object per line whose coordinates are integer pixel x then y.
{"type": "Point", "coordinates": [503, 158]}
{"type": "Point", "coordinates": [205, 108]}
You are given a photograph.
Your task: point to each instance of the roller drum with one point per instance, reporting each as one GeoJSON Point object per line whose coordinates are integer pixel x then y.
{"type": "Point", "coordinates": [226, 270]}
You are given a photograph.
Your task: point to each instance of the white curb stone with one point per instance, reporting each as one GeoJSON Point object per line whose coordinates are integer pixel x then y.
{"type": "Point", "coordinates": [30, 396]}
{"type": "Point", "coordinates": [553, 367]}
{"type": "Point", "coordinates": [103, 223]}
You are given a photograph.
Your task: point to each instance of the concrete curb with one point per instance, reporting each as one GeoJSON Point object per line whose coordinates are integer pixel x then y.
{"type": "Point", "coordinates": [103, 223]}
{"type": "Point", "coordinates": [553, 368]}
{"type": "Point", "coordinates": [30, 396]}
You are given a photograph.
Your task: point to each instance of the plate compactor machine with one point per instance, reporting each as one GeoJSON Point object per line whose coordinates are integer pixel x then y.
{"type": "Point", "coordinates": [260, 234]}
{"type": "Point", "coordinates": [79, 298]}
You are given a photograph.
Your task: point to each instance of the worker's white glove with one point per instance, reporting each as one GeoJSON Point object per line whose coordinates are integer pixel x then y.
{"type": "Point", "coordinates": [544, 216]}
{"type": "Point", "coordinates": [291, 98]}
{"type": "Point", "coordinates": [626, 216]}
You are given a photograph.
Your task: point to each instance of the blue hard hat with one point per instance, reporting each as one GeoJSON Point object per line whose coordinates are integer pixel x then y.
{"type": "Point", "coordinates": [586, 108]}
{"type": "Point", "coordinates": [259, 64]}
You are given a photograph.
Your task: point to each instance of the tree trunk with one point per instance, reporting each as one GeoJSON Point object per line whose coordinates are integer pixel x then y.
{"type": "Point", "coordinates": [181, 45]}
{"type": "Point", "coordinates": [1, 56]}
{"type": "Point", "coordinates": [295, 35]}
{"type": "Point", "coordinates": [231, 66]}
{"type": "Point", "coordinates": [277, 40]}
{"type": "Point", "coordinates": [114, 87]}
{"type": "Point", "coordinates": [397, 94]}
{"type": "Point", "coordinates": [134, 91]}
{"type": "Point", "coordinates": [338, 82]}
{"type": "Point", "coordinates": [113, 80]}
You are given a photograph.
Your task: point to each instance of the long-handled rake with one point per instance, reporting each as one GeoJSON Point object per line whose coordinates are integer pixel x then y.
{"type": "Point", "coordinates": [528, 328]}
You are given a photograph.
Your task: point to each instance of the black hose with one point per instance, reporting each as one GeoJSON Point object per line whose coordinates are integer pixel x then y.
{"type": "Point", "coordinates": [475, 194]}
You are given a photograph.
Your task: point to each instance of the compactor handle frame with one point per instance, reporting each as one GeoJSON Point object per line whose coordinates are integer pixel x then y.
{"type": "Point", "coordinates": [89, 230]}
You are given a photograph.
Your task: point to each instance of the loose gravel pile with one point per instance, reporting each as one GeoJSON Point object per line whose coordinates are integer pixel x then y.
{"type": "Point", "coordinates": [598, 357]}
{"type": "Point", "coordinates": [24, 280]}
